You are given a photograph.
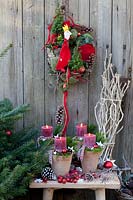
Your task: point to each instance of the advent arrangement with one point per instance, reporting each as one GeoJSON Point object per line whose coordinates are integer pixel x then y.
{"type": "Point", "coordinates": [71, 57]}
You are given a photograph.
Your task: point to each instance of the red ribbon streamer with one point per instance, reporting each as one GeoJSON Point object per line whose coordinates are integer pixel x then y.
{"type": "Point", "coordinates": [65, 97]}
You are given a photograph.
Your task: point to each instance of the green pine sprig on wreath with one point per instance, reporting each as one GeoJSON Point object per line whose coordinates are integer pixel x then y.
{"type": "Point", "coordinates": [58, 21]}
{"type": "Point", "coordinates": [76, 61]}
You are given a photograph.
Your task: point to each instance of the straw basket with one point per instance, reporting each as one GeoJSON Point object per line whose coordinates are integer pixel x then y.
{"type": "Point", "coordinates": [61, 164]}
{"type": "Point", "coordinates": [90, 161]}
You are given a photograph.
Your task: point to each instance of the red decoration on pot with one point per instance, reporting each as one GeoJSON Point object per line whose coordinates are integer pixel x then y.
{"type": "Point", "coordinates": [108, 164]}
{"type": "Point", "coordinates": [95, 146]}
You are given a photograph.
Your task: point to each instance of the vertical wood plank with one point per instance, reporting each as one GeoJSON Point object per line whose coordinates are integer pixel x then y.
{"type": "Point", "coordinates": [11, 65]}
{"type": "Point", "coordinates": [118, 40]}
{"type": "Point", "coordinates": [53, 97]}
{"type": "Point", "coordinates": [74, 96]}
{"type": "Point", "coordinates": [99, 11]}
{"type": "Point", "coordinates": [33, 60]}
{"type": "Point", "coordinates": [74, 9]}
{"type": "Point", "coordinates": [123, 59]}
{"type": "Point", "coordinates": [128, 125]}
{"type": "Point", "coordinates": [78, 95]}
{"type": "Point", "coordinates": [120, 35]}
{"type": "Point", "coordinates": [84, 15]}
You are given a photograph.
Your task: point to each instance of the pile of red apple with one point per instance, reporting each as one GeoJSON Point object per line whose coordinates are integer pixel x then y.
{"type": "Point", "coordinates": [72, 177]}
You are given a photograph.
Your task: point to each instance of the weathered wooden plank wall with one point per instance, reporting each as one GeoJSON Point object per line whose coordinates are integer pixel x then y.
{"type": "Point", "coordinates": [33, 59]}
{"type": "Point", "coordinates": [122, 49]}
{"type": "Point", "coordinates": [24, 71]}
{"type": "Point", "coordinates": [11, 68]}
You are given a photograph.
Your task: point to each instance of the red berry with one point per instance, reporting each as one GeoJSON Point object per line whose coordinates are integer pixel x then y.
{"type": "Point", "coordinates": [64, 181]}
{"type": "Point", "coordinates": [75, 181]}
{"type": "Point", "coordinates": [44, 180]}
{"type": "Point", "coordinates": [68, 179]}
{"type": "Point", "coordinates": [67, 175]}
{"type": "Point", "coordinates": [60, 177]}
{"type": "Point", "coordinates": [95, 146]}
{"type": "Point", "coordinates": [59, 180]}
{"type": "Point", "coordinates": [71, 180]}
{"type": "Point", "coordinates": [64, 150]}
{"type": "Point", "coordinates": [77, 177]}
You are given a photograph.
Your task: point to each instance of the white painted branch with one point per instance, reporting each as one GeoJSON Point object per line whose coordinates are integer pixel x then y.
{"type": "Point", "coordinates": [108, 111]}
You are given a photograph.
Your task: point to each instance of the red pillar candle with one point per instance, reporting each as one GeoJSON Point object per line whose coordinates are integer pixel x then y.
{"type": "Point", "coordinates": [81, 129]}
{"type": "Point", "coordinates": [60, 144]}
{"type": "Point", "coordinates": [47, 131]}
{"type": "Point", "coordinates": [89, 140]}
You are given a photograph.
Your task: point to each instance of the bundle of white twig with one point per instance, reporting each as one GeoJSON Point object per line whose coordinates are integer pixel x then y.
{"type": "Point", "coordinates": [108, 110]}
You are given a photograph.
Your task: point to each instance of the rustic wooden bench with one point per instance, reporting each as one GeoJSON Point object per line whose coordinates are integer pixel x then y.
{"type": "Point", "coordinates": [97, 185]}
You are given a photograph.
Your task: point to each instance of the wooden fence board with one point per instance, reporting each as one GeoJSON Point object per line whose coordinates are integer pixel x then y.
{"type": "Point", "coordinates": [118, 42]}
{"type": "Point", "coordinates": [99, 11]}
{"type": "Point", "coordinates": [128, 125]}
{"type": "Point", "coordinates": [123, 59]}
{"type": "Point", "coordinates": [78, 95]}
{"type": "Point", "coordinates": [33, 39]}
{"type": "Point", "coordinates": [11, 65]}
{"type": "Point", "coordinates": [53, 98]}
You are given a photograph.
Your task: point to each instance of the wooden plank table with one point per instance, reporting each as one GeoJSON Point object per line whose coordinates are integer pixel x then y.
{"type": "Point", "coordinates": [97, 185]}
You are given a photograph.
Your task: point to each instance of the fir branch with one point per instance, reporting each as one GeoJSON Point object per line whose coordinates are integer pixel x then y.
{"type": "Point", "coordinates": [5, 105]}
{"type": "Point", "coordinates": [20, 159]}
{"type": "Point", "coordinates": [16, 113]}
{"type": "Point", "coordinates": [8, 187]}
{"type": "Point", "coordinates": [91, 128]}
{"type": "Point", "coordinates": [58, 22]}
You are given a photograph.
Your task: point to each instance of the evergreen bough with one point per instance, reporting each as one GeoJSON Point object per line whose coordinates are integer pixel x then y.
{"type": "Point", "coordinates": [20, 158]}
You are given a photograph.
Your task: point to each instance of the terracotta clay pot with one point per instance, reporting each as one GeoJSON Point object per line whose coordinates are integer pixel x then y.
{"type": "Point", "coordinates": [61, 164]}
{"type": "Point", "coordinates": [90, 161]}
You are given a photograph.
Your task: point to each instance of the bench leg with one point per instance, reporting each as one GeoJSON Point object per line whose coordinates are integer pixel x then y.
{"type": "Point", "coordinates": [48, 194]}
{"type": "Point", "coordinates": [100, 194]}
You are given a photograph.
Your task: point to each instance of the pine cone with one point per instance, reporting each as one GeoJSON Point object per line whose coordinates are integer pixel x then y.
{"type": "Point", "coordinates": [59, 117]}
{"type": "Point", "coordinates": [48, 173]}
